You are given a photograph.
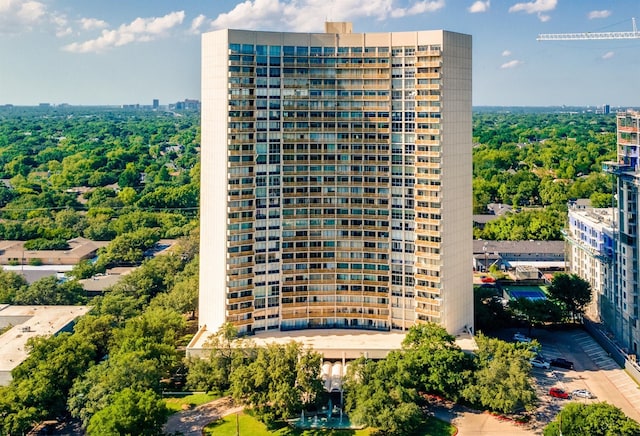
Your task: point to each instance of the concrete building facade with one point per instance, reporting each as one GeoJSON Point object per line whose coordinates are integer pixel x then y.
{"type": "Point", "coordinates": [590, 242]}
{"type": "Point", "coordinates": [621, 313]}
{"type": "Point", "coordinates": [336, 180]}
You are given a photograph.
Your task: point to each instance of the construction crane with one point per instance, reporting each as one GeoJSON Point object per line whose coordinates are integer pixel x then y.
{"type": "Point", "coordinates": [634, 34]}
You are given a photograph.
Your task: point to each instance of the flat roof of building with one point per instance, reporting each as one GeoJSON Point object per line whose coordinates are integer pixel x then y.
{"type": "Point", "coordinates": [514, 247]}
{"type": "Point", "coordinates": [336, 343]}
{"type": "Point", "coordinates": [29, 322]}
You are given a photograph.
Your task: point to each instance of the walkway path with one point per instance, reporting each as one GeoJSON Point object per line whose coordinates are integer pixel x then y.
{"type": "Point", "coordinates": [191, 422]}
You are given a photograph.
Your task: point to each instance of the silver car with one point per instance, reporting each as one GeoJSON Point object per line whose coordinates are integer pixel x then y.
{"type": "Point", "coordinates": [540, 363]}
{"type": "Point", "coordinates": [582, 393]}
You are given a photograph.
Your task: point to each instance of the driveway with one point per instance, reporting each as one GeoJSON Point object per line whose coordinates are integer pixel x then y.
{"type": "Point", "coordinates": [475, 423]}
{"type": "Point", "coordinates": [593, 370]}
{"type": "Point", "coordinates": [191, 422]}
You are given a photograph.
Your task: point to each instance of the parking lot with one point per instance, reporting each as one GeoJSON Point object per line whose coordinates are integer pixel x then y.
{"type": "Point", "coordinates": [593, 370]}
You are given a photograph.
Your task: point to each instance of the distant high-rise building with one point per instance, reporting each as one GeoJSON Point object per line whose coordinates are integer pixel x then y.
{"type": "Point", "coordinates": [336, 180]}
{"type": "Point", "coordinates": [156, 103]}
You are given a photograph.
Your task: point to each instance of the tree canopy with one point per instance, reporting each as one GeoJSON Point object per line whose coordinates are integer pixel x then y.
{"type": "Point", "coordinates": [597, 419]}
{"type": "Point", "coordinates": [572, 292]}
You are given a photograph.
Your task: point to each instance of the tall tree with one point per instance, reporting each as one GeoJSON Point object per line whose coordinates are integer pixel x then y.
{"type": "Point", "coordinates": [573, 292]}
{"type": "Point", "coordinates": [130, 412]}
{"type": "Point", "coordinates": [501, 381]}
{"type": "Point", "coordinates": [379, 394]}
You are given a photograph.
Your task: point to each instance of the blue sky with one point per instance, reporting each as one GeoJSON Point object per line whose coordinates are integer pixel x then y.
{"type": "Point", "coordinates": [132, 51]}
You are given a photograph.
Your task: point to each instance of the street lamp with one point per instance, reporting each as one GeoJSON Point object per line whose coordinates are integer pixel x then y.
{"type": "Point", "coordinates": [486, 262]}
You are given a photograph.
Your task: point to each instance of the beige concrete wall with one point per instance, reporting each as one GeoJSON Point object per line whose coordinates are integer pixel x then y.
{"type": "Point", "coordinates": [213, 211]}
{"type": "Point", "coordinates": [457, 239]}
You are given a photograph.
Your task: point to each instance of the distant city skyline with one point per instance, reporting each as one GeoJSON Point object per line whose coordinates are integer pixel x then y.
{"type": "Point", "coordinates": [119, 52]}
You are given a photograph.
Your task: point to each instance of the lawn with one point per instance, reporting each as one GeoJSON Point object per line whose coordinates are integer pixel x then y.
{"type": "Point", "coordinates": [250, 426]}
{"type": "Point", "coordinates": [178, 404]}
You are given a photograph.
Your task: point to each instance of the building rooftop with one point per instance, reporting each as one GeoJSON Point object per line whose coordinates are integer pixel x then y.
{"type": "Point", "coordinates": [28, 322]}
{"type": "Point", "coordinates": [334, 343]}
{"type": "Point", "coordinates": [598, 217]}
{"type": "Point", "coordinates": [514, 247]}
{"type": "Point", "coordinates": [79, 248]}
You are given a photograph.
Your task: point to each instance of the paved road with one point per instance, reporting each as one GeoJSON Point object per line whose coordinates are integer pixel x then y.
{"type": "Point", "coordinates": [191, 422]}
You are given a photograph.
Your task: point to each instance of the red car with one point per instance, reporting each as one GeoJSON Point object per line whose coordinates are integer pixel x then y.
{"type": "Point", "coordinates": [558, 393]}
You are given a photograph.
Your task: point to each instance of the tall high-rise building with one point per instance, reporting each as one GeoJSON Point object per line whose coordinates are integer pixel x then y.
{"type": "Point", "coordinates": [336, 180]}
{"type": "Point", "coordinates": [621, 312]}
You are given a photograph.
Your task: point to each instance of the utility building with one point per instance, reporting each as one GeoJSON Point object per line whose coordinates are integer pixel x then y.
{"type": "Point", "coordinates": [336, 180]}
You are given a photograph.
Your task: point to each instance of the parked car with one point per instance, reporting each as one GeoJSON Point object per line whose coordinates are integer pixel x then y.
{"type": "Point", "coordinates": [558, 393]}
{"type": "Point", "coordinates": [582, 393]}
{"type": "Point", "coordinates": [562, 363]}
{"type": "Point", "coordinates": [539, 362]}
{"type": "Point", "coordinates": [519, 337]}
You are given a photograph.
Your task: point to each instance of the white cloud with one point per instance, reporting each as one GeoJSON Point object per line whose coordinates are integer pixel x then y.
{"type": "Point", "coordinates": [599, 14]}
{"type": "Point", "coordinates": [544, 18]}
{"type": "Point", "coordinates": [608, 55]}
{"type": "Point", "coordinates": [139, 30]}
{"type": "Point", "coordinates": [534, 7]}
{"type": "Point", "coordinates": [92, 23]}
{"type": "Point", "coordinates": [506, 53]}
{"type": "Point", "coordinates": [479, 6]}
{"type": "Point", "coordinates": [64, 31]}
{"type": "Point", "coordinates": [17, 16]}
{"type": "Point", "coordinates": [419, 7]}
{"type": "Point", "coordinates": [310, 15]}
{"type": "Point", "coordinates": [197, 23]}
{"type": "Point", "coordinates": [511, 64]}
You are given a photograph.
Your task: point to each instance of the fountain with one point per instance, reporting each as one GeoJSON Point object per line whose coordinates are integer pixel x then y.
{"type": "Point", "coordinates": [329, 416]}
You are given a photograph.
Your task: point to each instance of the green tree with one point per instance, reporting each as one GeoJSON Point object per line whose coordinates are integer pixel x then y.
{"type": "Point", "coordinates": [598, 419]}
{"type": "Point", "coordinates": [128, 248]}
{"type": "Point", "coordinates": [48, 290]}
{"type": "Point", "coordinates": [276, 382]}
{"type": "Point", "coordinates": [130, 413]}
{"type": "Point", "coordinates": [489, 312]}
{"type": "Point", "coordinates": [379, 394]}
{"type": "Point", "coordinates": [42, 382]}
{"type": "Point", "coordinates": [214, 372]}
{"type": "Point", "coordinates": [536, 312]}
{"type": "Point", "coordinates": [435, 363]}
{"type": "Point", "coordinates": [130, 177]}
{"type": "Point", "coordinates": [11, 284]}
{"type": "Point", "coordinates": [501, 380]}
{"type": "Point", "coordinates": [572, 292]}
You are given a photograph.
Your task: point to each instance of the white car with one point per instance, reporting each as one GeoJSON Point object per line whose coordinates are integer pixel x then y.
{"type": "Point", "coordinates": [519, 337]}
{"type": "Point", "coordinates": [540, 363]}
{"type": "Point", "coordinates": [582, 393]}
